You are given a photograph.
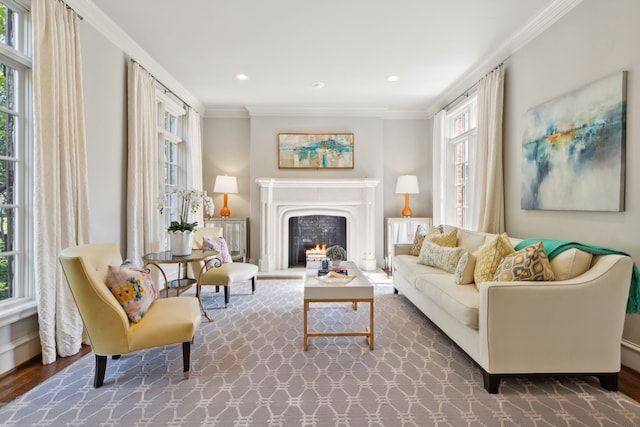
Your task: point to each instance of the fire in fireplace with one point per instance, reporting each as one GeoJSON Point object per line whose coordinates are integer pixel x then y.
{"type": "Point", "coordinates": [313, 234]}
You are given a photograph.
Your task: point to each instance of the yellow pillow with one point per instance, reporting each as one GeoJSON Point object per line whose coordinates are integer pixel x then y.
{"type": "Point", "coordinates": [528, 264]}
{"type": "Point", "coordinates": [448, 239]}
{"type": "Point", "coordinates": [489, 257]}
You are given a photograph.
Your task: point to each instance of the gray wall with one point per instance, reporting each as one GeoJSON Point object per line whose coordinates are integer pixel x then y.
{"type": "Point", "coordinates": [383, 150]}
{"type": "Point", "coordinates": [595, 39]}
{"type": "Point", "coordinates": [104, 69]}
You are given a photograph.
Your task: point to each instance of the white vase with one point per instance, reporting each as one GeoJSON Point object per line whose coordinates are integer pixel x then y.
{"type": "Point", "coordinates": [335, 263]}
{"type": "Point", "coordinates": [181, 242]}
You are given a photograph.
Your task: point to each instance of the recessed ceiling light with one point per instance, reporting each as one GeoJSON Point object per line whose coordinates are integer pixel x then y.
{"type": "Point", "coordinates": [393, 78]}
{"type": "Point", "coordinates": [242, 77]}
{"type": "Point", "coordinates": [317, 85]}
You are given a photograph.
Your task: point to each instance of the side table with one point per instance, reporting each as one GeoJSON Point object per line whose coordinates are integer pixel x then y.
{"type": "Point", "coordinates": [183, 281]}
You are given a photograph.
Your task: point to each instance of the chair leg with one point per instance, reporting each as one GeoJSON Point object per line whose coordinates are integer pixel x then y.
{"type": "Point", "coordinates": [226, 295]}
{"type": "Point", "coordinates": [101, 368]}
{"type": "Point", "coordinates": [253, 284]}
{"type": "Point", "coordinates": [186, 356]}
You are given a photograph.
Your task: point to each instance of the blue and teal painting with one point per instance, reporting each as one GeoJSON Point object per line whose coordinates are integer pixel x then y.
{"type": "Point", "coordinates": [315, 151]}
{"type": "Point", "coordinates": [573, 149]}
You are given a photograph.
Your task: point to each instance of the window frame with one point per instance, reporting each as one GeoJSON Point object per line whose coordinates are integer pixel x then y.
{"type": "Point", "coordinates": [454, 208]}
{"type": "Point", "coordinates": [168, 105]}
{"type": "Point", "coordinates": [22, 304]}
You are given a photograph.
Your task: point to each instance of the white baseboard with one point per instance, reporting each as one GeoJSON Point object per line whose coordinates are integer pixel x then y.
{"type": "Point", "coordinates": [630, 355]}
{"type": "Point", "coordinates": [19, 351]}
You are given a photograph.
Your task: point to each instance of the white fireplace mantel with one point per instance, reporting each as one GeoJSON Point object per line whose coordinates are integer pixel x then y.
{"type": "Point", "coordinates": [284, 198]}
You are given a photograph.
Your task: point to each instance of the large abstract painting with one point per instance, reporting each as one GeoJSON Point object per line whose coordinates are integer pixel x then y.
{"type": "Point", "coordinates": [573, 149]}
{"type": "Point", "coordinates": [315, 150]}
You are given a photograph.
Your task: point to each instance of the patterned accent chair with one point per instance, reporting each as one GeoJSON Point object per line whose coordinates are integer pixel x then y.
{"type": "Point", "coordinates": [167, 321]}
{"type": "Point", "coordinates": [215, 273]}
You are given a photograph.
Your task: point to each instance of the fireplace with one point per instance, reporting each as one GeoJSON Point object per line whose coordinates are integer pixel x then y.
{"type": "Point", "coordinates": [307, 232]}
{"type": "Point", "coordinates": [285, 198]}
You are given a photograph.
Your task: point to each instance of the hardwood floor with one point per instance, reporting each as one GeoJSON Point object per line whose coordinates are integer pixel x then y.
{"type": "Point", "coordinates": [20, 380]}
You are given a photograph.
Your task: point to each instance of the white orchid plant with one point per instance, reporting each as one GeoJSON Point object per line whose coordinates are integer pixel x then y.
{"type": "Point", "coordinates": [187, 201]}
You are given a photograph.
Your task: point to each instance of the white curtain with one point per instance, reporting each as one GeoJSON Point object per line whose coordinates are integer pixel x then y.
{"type": "Point", "coordinates": [194, 158]}
{"type": "Point", "coordinates": [143, 216]}
{"type": "Point", "coordinates": [488, 187]}
{"type": "Point", "coordinates": [438, 159]}
{"type": "Point", "coordinates": [60, 199]}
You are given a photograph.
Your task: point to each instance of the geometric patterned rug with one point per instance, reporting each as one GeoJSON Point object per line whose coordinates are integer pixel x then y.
{"type": "Point", "coordinates": [248, 368]}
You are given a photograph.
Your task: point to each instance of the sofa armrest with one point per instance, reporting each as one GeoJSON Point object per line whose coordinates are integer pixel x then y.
{"type": "Point", "coordinates": [560, 326]}
{"type": "Point", "coordinates": [401, 248]}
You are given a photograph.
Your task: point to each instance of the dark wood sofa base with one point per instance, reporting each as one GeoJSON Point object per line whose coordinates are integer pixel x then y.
{"type": "Point", "coordinates": [608, 381]}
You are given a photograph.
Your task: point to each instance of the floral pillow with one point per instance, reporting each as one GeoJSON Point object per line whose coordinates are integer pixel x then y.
{"type": "Point", "coordinates": [421, 232]}
{"type": "Point", "coordinates": [219, 245]}
{"type": "Point", "coordinates": [441, 257]}
{"type": "Point", "coordinates": [133, 288]}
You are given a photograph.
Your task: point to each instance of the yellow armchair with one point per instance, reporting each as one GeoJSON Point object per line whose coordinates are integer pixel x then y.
{"type": "Point", "coordinates": [167, 321]}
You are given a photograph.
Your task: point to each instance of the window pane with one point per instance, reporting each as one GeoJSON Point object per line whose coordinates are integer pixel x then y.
{"type": "Point", "coordinates": [8, 19]}
{"type": "Point", "coordinates": [7, 135]}
{"type": "Point", "coordinates": [7, 86]}
{"type": "Point", "coordinates": [7, 182]}
{"type": "Point", "coordinates": [7, 273]}
{"type": "Point", "coordinates": [7, 229]}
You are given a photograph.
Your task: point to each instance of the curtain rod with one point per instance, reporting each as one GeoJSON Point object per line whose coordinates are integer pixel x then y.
{"type": "Point", "coordinates": [166, 89]}
{"type": "Point", "coordinates": [73, 10]}
{"type": "Point", "coordinates": [466, 93]}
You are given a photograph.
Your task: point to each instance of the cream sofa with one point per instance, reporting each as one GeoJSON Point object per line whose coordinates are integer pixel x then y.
{"type": "Point", "coordinates": [571, 326]}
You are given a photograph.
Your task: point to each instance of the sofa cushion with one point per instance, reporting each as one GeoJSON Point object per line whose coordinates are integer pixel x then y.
{"type": "Point", "coordinates": [527, 264]}
{"type": "Point", "coordinates": [438, 256]}
{"type": "Point", "coordinates": [489, 257]}
{"type": "Point", "coordinates": [407, 266]}
{"type": "Point", "coordinates": [133, 288]}
{"type": "Point", "coordinates": [460, 301]}
{"type": "Point", "coordinates": [472, 240]}
{"type": "Point", "coordinates": [570, 263]}
{"type": "Point", "coordinates": [448, 238]}
{"type": "Point", "coordinates": [464, 270]}
{"type": "Point", "coordinates": [418, 238]}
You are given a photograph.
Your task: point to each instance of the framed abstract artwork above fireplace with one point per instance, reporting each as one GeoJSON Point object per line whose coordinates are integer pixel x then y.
{"type": "Point", "coordinates": [573, 149]}
{"type": "Point", "coordinates": [315, 151]}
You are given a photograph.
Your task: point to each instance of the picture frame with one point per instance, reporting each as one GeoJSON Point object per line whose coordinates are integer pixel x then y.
{"type": "Point", "coordinates": [316, 150]}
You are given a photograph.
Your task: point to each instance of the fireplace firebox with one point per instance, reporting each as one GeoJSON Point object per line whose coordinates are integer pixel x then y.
{"type": "Point", "coordinates": [308, 231]}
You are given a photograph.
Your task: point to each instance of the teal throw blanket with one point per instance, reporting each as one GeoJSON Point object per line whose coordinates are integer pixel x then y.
{"type": "Point", "coordinates": [554, 247]}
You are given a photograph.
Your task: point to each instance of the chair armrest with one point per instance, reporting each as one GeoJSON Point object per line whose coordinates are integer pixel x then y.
{"type": "Point", "coordinates": [559, 326]}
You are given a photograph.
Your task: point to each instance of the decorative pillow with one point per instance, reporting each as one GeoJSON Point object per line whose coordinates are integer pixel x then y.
{"type": "Point", "coordinates": [133, 288]}
{"type": "Point", "coordinates": [219, 245]}
{"type": "Point", "coordinates": [448, 239]}
{"type": "Point", "coordinates": [465, 268]}
{"type": "Point", "coordinates": [421, 232]}
{"type": "Point", "coordinates": [528, 264]}
{"type": "Point", "coordinates": [489, 257]}
{"type": "Point", "coordinates": [570, 263]}
{"type": "Point", "coordinates": [438, 256]}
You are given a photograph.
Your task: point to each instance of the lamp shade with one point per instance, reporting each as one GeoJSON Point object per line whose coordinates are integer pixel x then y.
{"type": "Point", "coordinates": [225, 184]}
{"type": "Point", "coordinates": [407, 184]}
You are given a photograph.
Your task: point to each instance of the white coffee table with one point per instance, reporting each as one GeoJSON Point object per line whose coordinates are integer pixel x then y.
{"type": "Point", "coordinates": [357, 290]}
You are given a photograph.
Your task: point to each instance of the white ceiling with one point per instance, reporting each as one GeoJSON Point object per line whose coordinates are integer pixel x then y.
{"type": "Point", "coordinates": [351, 45]}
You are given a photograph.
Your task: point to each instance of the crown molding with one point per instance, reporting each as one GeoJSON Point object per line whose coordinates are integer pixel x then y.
{"type": "Point", "coordinates": [381, 113]}
{"type": "Point", "coordinates": [94, 16]}
{"type": "Point", "coordinates": [536, 26]}
{"type": "Point", "coordinates": [226, 113]}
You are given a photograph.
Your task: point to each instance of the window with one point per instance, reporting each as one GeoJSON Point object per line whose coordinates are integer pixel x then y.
{"type": "Point", "coordinates": [460, 137]}
{"type": "Point", "coordinates": [171, 149]}
{"type": "Point", "coordinates": [15, 103]}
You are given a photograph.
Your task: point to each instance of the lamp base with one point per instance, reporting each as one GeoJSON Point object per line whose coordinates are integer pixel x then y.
{"type": "Point", "coordinates": [225, 212]}
{"type": "Point", "coordinates": [406, 212]}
